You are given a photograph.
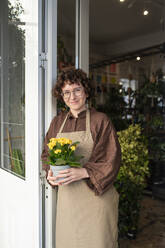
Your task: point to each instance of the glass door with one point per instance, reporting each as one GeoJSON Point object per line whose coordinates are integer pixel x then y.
{"type": "Point", "coordinates": [20, 119]}
{"type": "Point", "coordinates": [68, 46]}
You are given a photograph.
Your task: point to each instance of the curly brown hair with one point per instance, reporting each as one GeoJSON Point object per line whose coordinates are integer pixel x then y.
{"type": "Point", "coordinates": [71, 77]}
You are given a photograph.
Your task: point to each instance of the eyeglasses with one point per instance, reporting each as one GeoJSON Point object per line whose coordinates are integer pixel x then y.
{"type": "Point", "coordinates": [77, 92]}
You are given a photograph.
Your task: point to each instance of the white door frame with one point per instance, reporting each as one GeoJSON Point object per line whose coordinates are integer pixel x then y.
{"type": "Point", "coordinates": [82, 35]}
{"type": "Point", "coordinates": [50, 110]}
{"type": "Point", "coordinates": [20, 202]}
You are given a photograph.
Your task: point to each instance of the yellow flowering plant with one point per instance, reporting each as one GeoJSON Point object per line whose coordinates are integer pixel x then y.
{"type": "Point", "coordinates": [62, 152]}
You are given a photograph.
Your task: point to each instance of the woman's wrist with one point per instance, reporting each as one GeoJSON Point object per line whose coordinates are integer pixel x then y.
{"type": "Point", "coordinates": [85, 173]}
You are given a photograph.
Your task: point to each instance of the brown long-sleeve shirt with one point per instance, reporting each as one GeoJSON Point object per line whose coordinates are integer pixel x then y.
{"type": "Point", "coordinates": [104, 163]}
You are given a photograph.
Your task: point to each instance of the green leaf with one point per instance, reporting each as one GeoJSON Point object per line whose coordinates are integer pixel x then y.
{"type": "Point", "coordinates": [74, 164]}
{"type": "Point", "coordinates": [78, 157]}
{"type": "Point", "coordinates": [60, 161]}
{"type": "Point", "coordinates": [75, 143]}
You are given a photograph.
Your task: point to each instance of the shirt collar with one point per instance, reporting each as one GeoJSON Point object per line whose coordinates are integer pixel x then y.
{"type": "Point", "coordinates": [82, 114]}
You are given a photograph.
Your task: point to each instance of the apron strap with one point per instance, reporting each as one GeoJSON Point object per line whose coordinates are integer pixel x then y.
{"type": "Point", "coordinates": [87, 122]}
{"type": "Point", "coordinates": [61, 128]}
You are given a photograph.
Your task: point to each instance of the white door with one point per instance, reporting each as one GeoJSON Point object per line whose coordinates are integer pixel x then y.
{"type": "Point", "coordinates": [20, 119]}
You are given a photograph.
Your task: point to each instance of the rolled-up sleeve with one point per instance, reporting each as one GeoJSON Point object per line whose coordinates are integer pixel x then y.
{"type": "Point", "coordinates": [104, 163]}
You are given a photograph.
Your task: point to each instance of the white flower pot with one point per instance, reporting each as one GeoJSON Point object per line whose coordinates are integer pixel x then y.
{"type": "Point", "coordinates": [55, 169]}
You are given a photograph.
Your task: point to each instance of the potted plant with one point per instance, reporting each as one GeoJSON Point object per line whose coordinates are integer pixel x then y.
{"type": "Point", "coordinates": [62, 155]}
{"type": "Point", "coordinates": [132, 178]}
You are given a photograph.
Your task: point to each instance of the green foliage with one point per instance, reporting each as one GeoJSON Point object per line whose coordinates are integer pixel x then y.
{"type": "Point", "coordinates": [150, 88]}
{"type": "Point", "coordinates": [114, 107]}
{"type": "Point", "coordinates": [18, 163]}
{"type": "Point", "coordinates": [63, 55]}
{"type": "Point", "coordinates": [149, 102]}
{"type": "Point", "coordinates": [134, 154]}
{"type": "Point", "coordinates": [132, 177]}
{"type": "Point", "coordinates": [17, 32]}
{"type": "Point", "coordinates": [156, 122]}
{"type": "Point", "coordinates": [14, 11]}
{"type": "Point", "coordinates": [157, 148]}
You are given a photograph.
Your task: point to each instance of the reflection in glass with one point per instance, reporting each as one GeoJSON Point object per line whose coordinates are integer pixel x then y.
{"type": "Point", "coordinates": [66, 31]}
{"type": "Point", "coordinates": [12, 78]}
{"type": "Point", "coordinates": [66, 34]}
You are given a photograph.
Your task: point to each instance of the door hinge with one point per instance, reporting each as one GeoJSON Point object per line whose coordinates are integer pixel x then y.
{"type": "Point", "coordinates": [42, 177]}
{"type": "Point", "coordinates": [43, 60]}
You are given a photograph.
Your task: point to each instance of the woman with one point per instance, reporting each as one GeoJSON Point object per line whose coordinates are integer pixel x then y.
{"type": "Point", "coordinates": [87, 203]}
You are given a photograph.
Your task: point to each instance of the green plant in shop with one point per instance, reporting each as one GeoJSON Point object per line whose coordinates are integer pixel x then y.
{"type": "Point", "coordinates": [131, 179]}
{"type": "Point", "coordinates": [149, 102]}
{"type": "Point", "coordinates": [115, 107]}
{"type": "Point", "coordinates": [18, 163]}
{"type": "Point", "coordinates": [63, 55]}
{"type": "Point", "coordinates": [149, 111]}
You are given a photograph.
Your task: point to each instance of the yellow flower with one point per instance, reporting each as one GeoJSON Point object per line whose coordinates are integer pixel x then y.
{"type": "Point", "coordinates": [73, 148]}
{"type": "Point", "coordinates": [57, 151]}
{"type": "Point", "coordinates": [64, 141]}
{"type": "Point", "coordinates": [68, 141]}
{"type": "Point", "coordinates": [53, 140]}
{"type": "Point", "coordinates": [50, 145]}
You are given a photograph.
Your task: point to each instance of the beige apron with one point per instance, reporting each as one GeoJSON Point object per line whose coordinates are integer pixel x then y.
{"type": "Point", "coordinates": [83, 219]}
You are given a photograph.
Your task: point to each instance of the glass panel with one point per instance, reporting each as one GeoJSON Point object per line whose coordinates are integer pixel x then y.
{"type": "Point", "coordinates": [127, 64]}
{"type": "Point", "coordinates": [66, 31]}
{"type": "Point", "coordinates": [12, 55]}
{"type": "Point", "coordinates": [120, 61]}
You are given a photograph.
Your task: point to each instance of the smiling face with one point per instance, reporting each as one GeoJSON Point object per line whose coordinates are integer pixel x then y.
{"type": "Point", "coordinates": [74, 97]}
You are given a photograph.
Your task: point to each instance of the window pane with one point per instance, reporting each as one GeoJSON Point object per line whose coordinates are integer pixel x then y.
{"type": "Point", "coordinates": [66, 34]}
{"type": "Point", "coordinates": [12, 71]}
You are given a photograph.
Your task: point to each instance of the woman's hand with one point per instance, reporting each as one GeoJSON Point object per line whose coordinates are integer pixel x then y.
{"type": "Point", "coordinates": [51, 179]}
{"type": "Point", "coordinates": [70, 175]}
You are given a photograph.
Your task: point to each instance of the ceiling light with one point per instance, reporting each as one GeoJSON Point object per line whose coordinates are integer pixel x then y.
{"type": "Point", "coordinates": [145, 12]}
{"type": "Point", "coordinates": [138, 58]}
{"type": "Point", "coordinates": [122, 0]}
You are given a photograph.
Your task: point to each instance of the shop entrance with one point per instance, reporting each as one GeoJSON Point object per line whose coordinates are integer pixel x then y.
{"type": "Point", "coordinates": [122, 49]}
{"type": "Point", "coordinates": [127, 68]}
{"type": "Point", "coordinates": [20, 125]}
